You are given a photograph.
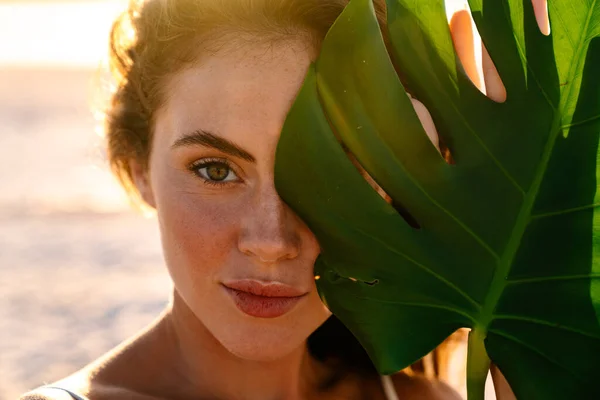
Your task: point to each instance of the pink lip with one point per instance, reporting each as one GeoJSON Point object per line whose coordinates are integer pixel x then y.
{"type": "Point", "coordinates": [263, 300]}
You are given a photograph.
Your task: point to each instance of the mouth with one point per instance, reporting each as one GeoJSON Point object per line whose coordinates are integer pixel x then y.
{"type": "Point", "coordinates": [263, 299]}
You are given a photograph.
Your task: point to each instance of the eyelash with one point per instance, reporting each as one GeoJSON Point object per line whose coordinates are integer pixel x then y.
{"type": "Point", "coordinates": [206, 162]}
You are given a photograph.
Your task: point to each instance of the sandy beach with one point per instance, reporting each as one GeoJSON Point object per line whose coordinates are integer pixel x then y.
{"type": "Point", "coordinates": [79, 271]}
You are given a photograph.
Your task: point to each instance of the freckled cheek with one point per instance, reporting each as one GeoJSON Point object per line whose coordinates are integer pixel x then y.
{"type": "Point", "coordinates": [199, 232]}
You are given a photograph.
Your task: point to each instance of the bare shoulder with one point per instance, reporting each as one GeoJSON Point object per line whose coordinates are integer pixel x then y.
{"type": "Point", "coordinates": [420, 387]}
{"type": "Point", "coordinates": [128, 371]}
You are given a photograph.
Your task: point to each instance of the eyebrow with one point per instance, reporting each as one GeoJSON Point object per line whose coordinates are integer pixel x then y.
{"type": "Point", "coordinates": [208, 139]}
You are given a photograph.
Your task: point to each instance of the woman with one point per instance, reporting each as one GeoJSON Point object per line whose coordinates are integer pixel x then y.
{"type": "Point", "coordinates": [203, 90]}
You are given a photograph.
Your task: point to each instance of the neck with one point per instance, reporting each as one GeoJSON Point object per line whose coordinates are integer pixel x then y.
{"type": "Point", "coordinates": [204, 367]}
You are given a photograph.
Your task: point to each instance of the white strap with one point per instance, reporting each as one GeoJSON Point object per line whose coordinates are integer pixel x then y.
{"type": "Point", "coordinates": [388, 388]}
{"type": "Point", "coordinates": [72, 394]}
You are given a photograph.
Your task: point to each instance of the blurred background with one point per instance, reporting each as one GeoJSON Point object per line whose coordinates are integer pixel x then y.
{"type": "Point", "coordinates": [79, 271]}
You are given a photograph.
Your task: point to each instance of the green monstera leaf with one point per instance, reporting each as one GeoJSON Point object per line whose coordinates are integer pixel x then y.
{"type": "Point", "coordinates": [505, 241]}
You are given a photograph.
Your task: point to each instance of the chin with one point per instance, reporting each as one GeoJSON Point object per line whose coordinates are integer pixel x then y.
{"type": "Point", "coordinates": [262, 344]}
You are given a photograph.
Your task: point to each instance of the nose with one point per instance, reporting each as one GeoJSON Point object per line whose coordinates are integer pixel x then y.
{"type": "Point", "coordinates": [269, 232]}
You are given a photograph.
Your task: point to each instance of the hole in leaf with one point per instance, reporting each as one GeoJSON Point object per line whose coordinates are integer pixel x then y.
{"type": "Point", "coordinates": [370, 283]}
{"type": "Point", "coordinates": [467, 42]}
{"type": "Point", "coordinates": [446, 153]}
{"type": "Point", "coordinates": [429, 127]}
{"type": "Point", "coordinates": [399, 208]}
{"type": "Point", "coordinates": [494, 87]}
{"type": "Point", "coordinates": [472, 53]}
{"type": "Point", "coordinates": [410, 220]}
{"type": "Point", "coordinates": [540, 8]}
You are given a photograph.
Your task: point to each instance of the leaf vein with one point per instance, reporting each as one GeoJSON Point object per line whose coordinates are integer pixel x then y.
{"type": "Point", "coordinates": [552, 278]}
{"type": "Point", "coordinates": [548, 324]}
{"type": "Point", "coordinates": [498, 281]}
{"type": "Point", "coordinates": [535, 350]}
{"type": "Point", "coordinates": [582, 122]}
{"type": "Point", "coordinates": [424, 268]}
{"type": "Point", "coordinates": [565, 29]}
{"type": "Point", "coordinates": [568, 211]}
{"type": "Point", "coordinates": [457, 220]}
{"type": "Point", "coordinates": [485, 148]}
{"type": "Point", "coordinates": [472, 131]}
{"type": "Point", "coordinates": [524, 59]}
{"type": "Point", "coordinates": [424, 305]}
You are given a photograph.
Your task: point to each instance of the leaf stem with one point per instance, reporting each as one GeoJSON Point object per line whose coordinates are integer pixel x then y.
{"type": "Point", "coordinates": [478, 364]}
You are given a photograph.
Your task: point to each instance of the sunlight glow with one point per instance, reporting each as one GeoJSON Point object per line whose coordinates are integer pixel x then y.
{"type": "Point", "coordinates": [56, 33]}
{"type": "Point", "coordinates": [66, 33]}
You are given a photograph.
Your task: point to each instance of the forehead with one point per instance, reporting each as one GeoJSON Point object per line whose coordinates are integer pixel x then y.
{"type": "Point", "coordinates": [237, 93]}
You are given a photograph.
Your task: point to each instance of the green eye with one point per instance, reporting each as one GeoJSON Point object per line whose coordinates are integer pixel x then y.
{"type": "Point", "coordinates": [214, 171]}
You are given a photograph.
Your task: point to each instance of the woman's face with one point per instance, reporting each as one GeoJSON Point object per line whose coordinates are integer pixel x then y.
{"type": "Point", "coordinates": [229, 240]}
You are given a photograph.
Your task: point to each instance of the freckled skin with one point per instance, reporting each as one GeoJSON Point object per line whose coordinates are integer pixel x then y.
{"type": "Point", "coordinates": [213, 234]}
